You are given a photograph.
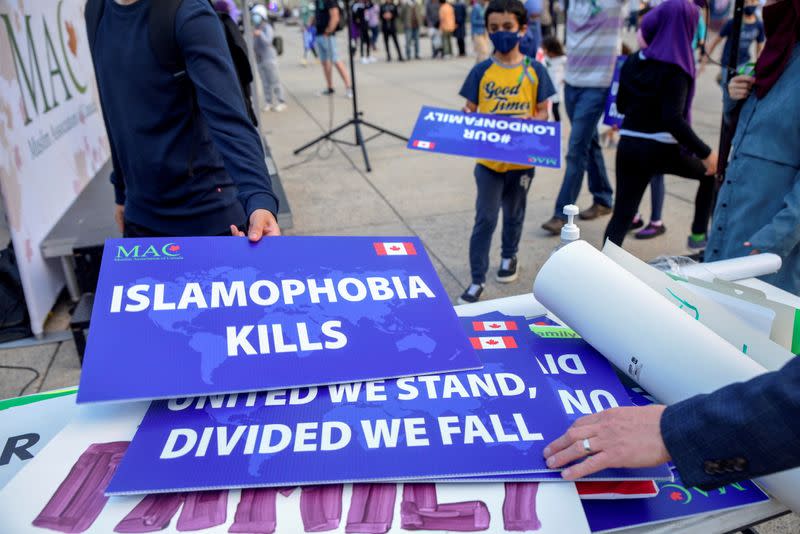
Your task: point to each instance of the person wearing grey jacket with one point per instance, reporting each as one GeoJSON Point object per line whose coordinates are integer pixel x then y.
{"type": "Point", "coordinates": [412, 16]}
{"type": "Point", "coordinates": [267, 62]}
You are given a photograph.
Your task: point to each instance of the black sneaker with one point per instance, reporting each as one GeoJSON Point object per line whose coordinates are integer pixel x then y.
{"type": "Point", "coordinates": [471, 294]}
{"type": "Point", "coordinates": [637, 224]}
{"type": "Point", "coordinates": [508, 270]}
{"type": "Point", "coordinates": [327, 92]}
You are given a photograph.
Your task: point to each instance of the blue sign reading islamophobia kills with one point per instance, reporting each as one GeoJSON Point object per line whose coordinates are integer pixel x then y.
{"type": "Point", "coordinates": [208, 315]}
{"type": "Point", "coordinates": [493, 137]}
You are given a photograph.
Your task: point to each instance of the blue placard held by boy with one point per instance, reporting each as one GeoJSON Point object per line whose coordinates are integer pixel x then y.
{"type": "Point", "coordinates": [508, 83]}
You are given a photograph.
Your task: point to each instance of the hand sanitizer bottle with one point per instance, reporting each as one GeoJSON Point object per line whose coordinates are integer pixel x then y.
{"type": "Point", "coordinates": [570, 231]}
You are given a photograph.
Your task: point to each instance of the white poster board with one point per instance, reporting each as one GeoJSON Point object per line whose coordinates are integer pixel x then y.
{"type": "Point", "coordinates": [52, 137]}
{"type": "Point", "coordinates": [28, 423]}
{"type": "Point", "coordinates": [31, 502]}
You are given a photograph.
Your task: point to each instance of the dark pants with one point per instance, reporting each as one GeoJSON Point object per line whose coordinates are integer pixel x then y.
{"type": "Point", "coordinates": [508, 190]}
{"type": "Point", "coordinates": [461, 44]}
{"type": "Point", "coordinates": [136, 230]}
{"type": "Point", "coordinates": [366, 43]}
{"type": "Point", "coordinates": [391, 34]}
{"type": "Point", "coordinates": [657, 192]}
{"type": "Point", "coordinates": [556, 112]}
{"type": "Point", "coordinates": [638, 160]}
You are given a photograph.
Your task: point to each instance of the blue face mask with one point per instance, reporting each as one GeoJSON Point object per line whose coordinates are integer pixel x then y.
{"type": "Point", "coordinates": [750, 10]}
{"type": "Point", "coordinates": [504, 42]}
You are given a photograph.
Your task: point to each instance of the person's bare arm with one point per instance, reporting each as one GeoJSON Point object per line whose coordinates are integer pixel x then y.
{"type": "Point", "coordinates": [759, 48]}
{"type": "Point", "coordinates": [334, 15]}
{"type": "Point", "coordinates": [710, 50]}
{"type": "Point", "coordinates": [542, 111]}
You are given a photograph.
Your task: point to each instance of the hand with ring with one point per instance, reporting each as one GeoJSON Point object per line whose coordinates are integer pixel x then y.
{"type": "Point", "coordinates": [619, 437]}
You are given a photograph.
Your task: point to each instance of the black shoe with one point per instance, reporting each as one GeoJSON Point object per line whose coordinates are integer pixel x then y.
{"type": "Point", "coordinates": [327, 92]}
{"type": "Point", "coordinates": [652, 230]}
{"type": "Point", "coordinates": [637, 224]}
{"type": "Point", "coordinates": [471, 294]}
{"type": "Point", "coordinates": [508, 270]}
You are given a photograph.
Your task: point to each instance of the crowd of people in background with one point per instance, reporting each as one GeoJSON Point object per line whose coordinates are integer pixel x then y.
{"type": "Point", "coordinates": [656, 89]}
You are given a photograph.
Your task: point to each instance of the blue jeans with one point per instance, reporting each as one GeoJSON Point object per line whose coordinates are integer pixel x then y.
{"type": "Point", "coordinates": [326, 48]}
{"type": "Point", "coordinates": [657, 192]}
{"type": "Point", "coordinates": [585, 106]}
{"type": "Point", "coordinates": [412, 36]}
{"type": "Point", "coordinates": [508, 190]}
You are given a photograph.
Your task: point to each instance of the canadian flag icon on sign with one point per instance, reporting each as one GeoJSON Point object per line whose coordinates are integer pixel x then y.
{"type": "Point", "coordinates": [497, 326]}
{"type": "Point", "coordinates": [395, 249]}
{"type": "Point", "coordinates": [425, 145]}
{"type": "Point", "coordinates": [499, 342]}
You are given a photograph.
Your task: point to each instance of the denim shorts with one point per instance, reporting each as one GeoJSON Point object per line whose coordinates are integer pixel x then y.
{"type": "Point", "coordinates": [326, 48]}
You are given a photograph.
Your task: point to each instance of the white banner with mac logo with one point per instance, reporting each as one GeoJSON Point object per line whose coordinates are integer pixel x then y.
{"type": "Point", "coordinates": [51, 131]}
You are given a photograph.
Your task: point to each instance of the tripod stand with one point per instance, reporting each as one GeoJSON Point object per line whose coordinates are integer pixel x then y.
{"type": "Point", "coordinates": [356, 121]}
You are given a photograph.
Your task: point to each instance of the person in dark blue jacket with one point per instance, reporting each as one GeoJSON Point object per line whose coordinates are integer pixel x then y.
{"type": "Point", "coordinates": [187, 160]}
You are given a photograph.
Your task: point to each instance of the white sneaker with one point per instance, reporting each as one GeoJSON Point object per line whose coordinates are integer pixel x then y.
{"type": "Point", "coordinates": [267, 107]}
{"type": "Point", "coordinates": [280, 106]}
{"type": "Point", "coordinates": [373, 59]}
{"type": "Point", "coordinates": [364, 60]}
{"type": "Point", "coordinates": [348, 93]}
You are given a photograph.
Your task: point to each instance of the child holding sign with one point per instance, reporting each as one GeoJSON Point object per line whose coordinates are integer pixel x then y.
{"type": "Point", "coordinates": [508, 83]}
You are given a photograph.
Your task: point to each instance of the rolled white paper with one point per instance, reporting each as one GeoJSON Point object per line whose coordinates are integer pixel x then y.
{"type": "Point", "coordinates": [735, 268]}
{"type": "Point", "coordinates": [665, 351]}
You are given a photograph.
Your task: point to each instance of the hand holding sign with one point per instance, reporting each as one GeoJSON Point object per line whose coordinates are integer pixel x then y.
{"type": "Point", "coordinates": [262, 224]}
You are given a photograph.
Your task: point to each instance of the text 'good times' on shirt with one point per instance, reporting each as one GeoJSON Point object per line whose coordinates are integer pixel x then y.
{"type": "Point", "coordinates": [507, 90]}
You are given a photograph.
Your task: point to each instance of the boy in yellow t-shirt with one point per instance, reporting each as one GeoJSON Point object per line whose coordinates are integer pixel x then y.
{"type": "Point", "coordinates": [508, 83]}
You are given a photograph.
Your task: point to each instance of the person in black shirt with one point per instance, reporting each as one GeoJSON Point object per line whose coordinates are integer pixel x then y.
{"type": "Point", "coordinates": [655, 94]}
{"type": "Point", "coordinates": [187, 159]}
{"type": "Point", "coordinates": [389, 28]}
{"type": "Point", "coordinates": [359, 13]}
{"type": "Point", "coordinates": [326, 20]}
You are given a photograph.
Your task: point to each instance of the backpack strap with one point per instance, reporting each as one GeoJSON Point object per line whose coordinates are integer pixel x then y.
{"type": "Point", "coordinates": [161, 26]}
{"type": "Point", "coordinates": [92, 14]}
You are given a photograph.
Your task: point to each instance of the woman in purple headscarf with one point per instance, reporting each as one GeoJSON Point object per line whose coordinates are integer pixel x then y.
{"type": "Point", "coordinates": [656, 88]}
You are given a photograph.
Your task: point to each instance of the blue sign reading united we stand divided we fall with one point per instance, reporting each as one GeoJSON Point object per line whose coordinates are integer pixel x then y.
{"type": "Point", "coordinates": [209, 315]}
{"type": "Point", "coordinates": [491, 421]}
{"type": "Point", "coordinates": [493, 137]}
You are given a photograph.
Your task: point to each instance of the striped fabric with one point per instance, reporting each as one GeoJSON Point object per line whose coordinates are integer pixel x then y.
{"type": "Point", "coordinates": [593, 41]}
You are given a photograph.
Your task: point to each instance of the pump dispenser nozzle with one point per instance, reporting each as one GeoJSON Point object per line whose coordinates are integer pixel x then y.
{"type": "Point", "coordinates": [570, 231]}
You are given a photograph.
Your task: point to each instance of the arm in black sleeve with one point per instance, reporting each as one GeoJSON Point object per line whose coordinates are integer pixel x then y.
{"type": "Point", "coordinates": [741, 431]}
{"type": "Point", "coordinates": [675, 90]}
{"type": "Point", "coordinates": [210, 67]}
